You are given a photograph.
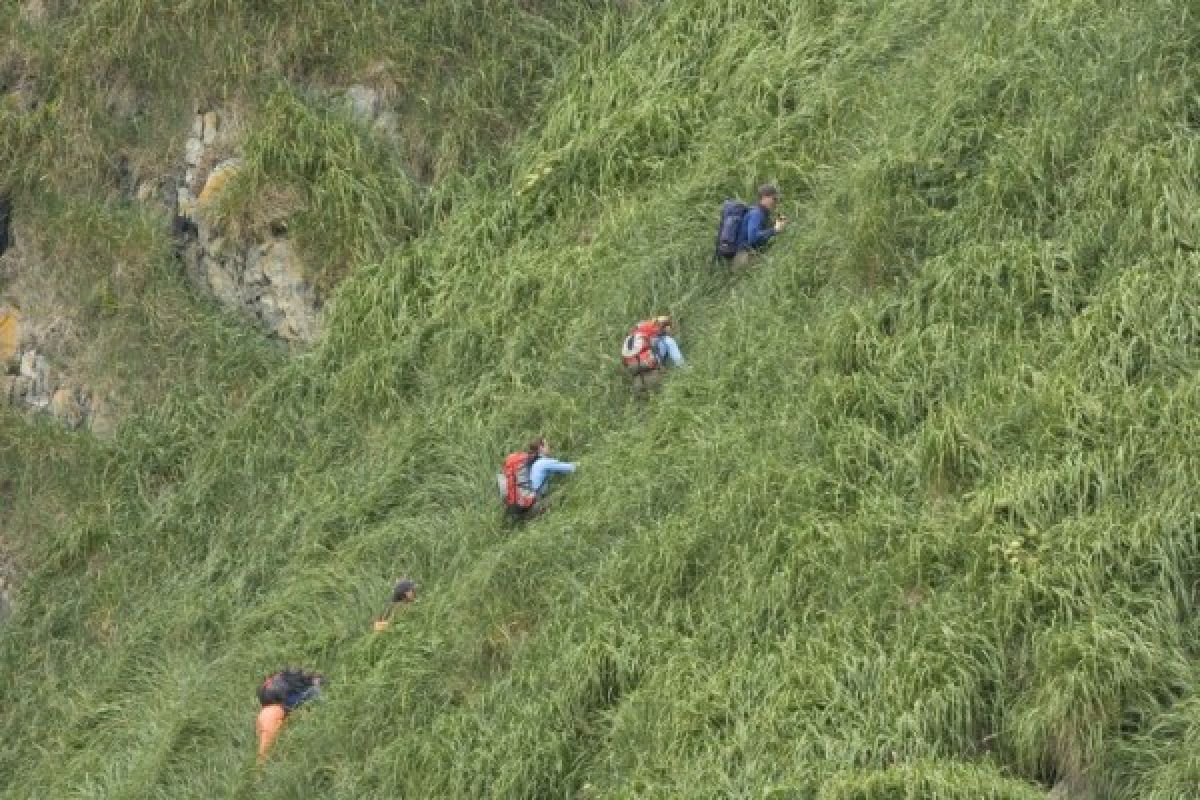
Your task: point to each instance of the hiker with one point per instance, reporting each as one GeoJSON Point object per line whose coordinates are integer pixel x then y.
{"type": "Point", "coordinates": [405, 591]}
{"type": "Point", "coordinates": [745, 230]}
{"type": "Point", "coordinates": [648, 347]}
{"type": "Point", "coordinates": [757, 228]}
{"type": "Point", "coordinates": [281, 694]}
{"type": "Point", "coordinates": [526, 478]}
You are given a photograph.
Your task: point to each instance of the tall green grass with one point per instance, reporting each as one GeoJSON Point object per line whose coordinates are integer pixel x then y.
{"type": "Point", "coordinates": [919, 521]}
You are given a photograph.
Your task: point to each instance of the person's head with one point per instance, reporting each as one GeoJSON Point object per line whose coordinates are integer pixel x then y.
{"type": "Point", "coordinates": [405, 591]}
{"type": "Point", "coordinates": [663, 322]}
{"type": "Point", "coordinates": [768, 196]}
{"type": "Point", "coordinates": [539, 447]}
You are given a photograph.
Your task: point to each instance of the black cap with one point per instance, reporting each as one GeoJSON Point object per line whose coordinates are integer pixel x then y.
{"type": "Point", "coordinates": [402, 588]}
{"type": "Point", "coordinates": [768, 190]}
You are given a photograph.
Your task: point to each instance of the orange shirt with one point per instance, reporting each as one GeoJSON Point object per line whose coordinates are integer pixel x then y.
{"type": "Point", "coordinates": [269, 724]}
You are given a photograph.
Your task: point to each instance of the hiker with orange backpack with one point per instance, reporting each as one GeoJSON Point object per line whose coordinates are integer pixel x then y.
{"type": "Point", "coordinates": [525, 478]}
{"type": "Point", "coordinates": [279, 695]}
{"type": "Point", "coordinates": [647, 348]}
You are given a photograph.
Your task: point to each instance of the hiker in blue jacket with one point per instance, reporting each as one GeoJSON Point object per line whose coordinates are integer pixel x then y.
{"type": "Point", "coordinates": [758, 228]}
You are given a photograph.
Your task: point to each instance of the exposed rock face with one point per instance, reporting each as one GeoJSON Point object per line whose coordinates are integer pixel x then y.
{"type": "Point", "coordinates": [262, 279]}
{"type": "Point", "coordinates": [29, 380]}
{"type": "Point", "coordinates": [367, 104]}
{"type": "Point", "coordinates": [32, 11]}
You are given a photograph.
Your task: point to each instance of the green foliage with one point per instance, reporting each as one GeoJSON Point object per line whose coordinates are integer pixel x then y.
{"type": "Point", "coordinates": [918, 522]}
{"type": "Point", "coordinates": [355, 196]}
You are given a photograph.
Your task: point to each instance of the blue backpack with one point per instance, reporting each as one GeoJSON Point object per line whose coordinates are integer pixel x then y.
{"type": "Point", "coordinates": [732, 213]}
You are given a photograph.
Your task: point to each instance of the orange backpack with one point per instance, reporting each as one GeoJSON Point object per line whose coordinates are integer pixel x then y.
{"type": "Point", "coordinates": [518, 490]}
{"type": "Point", "coordinates": [638, 350]}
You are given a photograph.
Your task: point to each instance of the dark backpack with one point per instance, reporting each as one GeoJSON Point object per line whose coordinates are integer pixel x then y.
{"type": "Point", "coordinates": [273, 690]}
{"type": "Point", "coordinates": [732, 214]}
{"type": "Point", "coordinates": [284, 687]}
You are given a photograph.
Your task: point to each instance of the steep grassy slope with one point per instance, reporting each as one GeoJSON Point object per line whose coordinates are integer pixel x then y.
{"type": "Point", "coordinates": [94, 102]}
{"type": "Point", "coordinates": [918, 522]}
{"type": "Point", "coordinates": [94, 105]}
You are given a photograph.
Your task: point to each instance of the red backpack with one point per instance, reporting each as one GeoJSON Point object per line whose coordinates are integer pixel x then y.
{"type": "Point", "coordinates": [638, 351]}
{"type": "Point", "coordinates": [518, 490]}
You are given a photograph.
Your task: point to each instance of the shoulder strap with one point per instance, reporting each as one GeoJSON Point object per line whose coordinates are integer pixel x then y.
{"type": "Point", "coordinates": [529, 462]}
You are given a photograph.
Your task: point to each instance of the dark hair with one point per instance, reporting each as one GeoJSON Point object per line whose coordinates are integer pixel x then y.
{"type": "Point", "coordinates": [401, 589]}
{"type": "Point", "coordinates": [767, 190]}
{"type": "Point", "coordinates": [536, 445]}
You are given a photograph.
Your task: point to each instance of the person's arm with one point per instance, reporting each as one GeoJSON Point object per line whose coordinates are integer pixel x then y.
{"type": "Point", "coordinates": [555, 466]}
{"type": "Point", "coordinates": [758, 232]}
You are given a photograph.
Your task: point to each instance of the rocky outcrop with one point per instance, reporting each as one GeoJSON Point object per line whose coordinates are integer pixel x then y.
{"type": "Point", "coordinates": [367, 105]}
{"type": "Point", "coordinates": [263, 279]}
{"type": "Point", "coordinates": [33, 12]}
{"type": "Point", "coordinates": [29, 380]}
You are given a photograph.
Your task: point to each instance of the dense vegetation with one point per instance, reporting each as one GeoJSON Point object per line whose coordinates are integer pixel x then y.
{"type": "Point", "coordinates": [919, 522]}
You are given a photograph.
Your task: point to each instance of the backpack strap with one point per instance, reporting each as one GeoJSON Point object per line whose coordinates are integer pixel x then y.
{"type": "Point", "coordinates": [533, 459]}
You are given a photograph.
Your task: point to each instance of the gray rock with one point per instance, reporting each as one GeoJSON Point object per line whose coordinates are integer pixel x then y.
{"type": "Point", "coordinates": [33, 11]}
{"type": "Point", "coordinates": [20, 390]}
{"type": "Point", "coordinates": [362, 101]}
{"type": "Point", "coordinates": [254, 275]}
{"type": "Point", "coordinates": [193, 151]}
{"type": "Point", "coordinates": [184, 202]}
{"type": "Point", "coordinates": [198, 127]}
{"type": "Point", "coordinates": [41, 387]}
{"type": "Point", "coordinates": [28, 364]}
{"type": "Point", "coordinates": [388, 124]}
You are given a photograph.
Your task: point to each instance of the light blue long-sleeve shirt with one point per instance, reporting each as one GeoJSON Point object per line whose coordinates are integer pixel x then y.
{"type": "Point", "coordinates": [543, 468]}
{"type": "Point", "coordinates": [757, 228]}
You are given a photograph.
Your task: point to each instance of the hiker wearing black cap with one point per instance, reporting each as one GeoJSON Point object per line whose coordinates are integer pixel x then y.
{"type": "Point", "coordinates": [758, 228]}
{"type": "Point", "coordinates": [405, 591]}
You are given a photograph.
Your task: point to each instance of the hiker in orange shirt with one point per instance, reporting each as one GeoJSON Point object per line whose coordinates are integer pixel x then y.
{"type": "Point", "coordinates": [280, 695]}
